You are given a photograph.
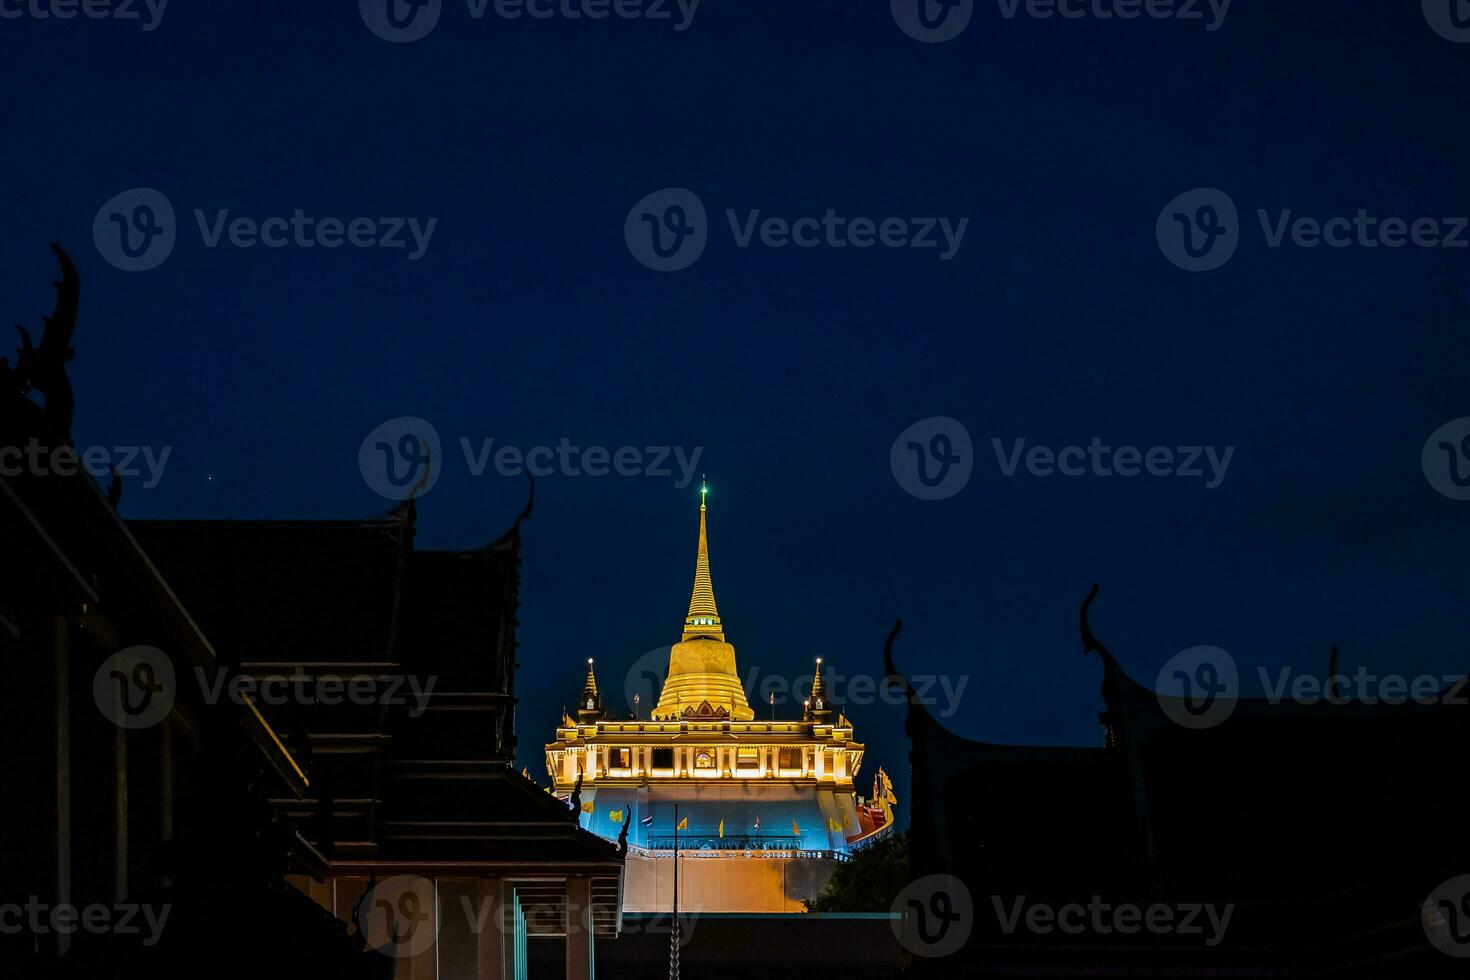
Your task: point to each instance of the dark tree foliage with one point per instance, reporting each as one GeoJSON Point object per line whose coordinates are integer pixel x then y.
{"type": "Point", "coordinates": [870, 881]}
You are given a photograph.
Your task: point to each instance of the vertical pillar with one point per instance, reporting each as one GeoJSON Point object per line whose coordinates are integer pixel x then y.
{"type": "Point", "coordinates": [494, 930]}
{"type": "Point", "coordinates": [59, 638]}
{"type": "Point", "coordinates": [120, 803]}
{"type": "Point", "coordinates": [423, 964]}
{"type": "Point", "coordinates": [579, 929]}
{"type": "Point", "coordinates": [166, 778]}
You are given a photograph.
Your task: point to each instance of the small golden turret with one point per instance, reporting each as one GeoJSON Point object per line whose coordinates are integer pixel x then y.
{"type": "Point", "coordinates": [589, 705]}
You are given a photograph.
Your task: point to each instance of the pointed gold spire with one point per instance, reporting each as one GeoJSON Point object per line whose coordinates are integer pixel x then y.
{"type": "Point", "coordinates": [704, 616]}
{"type": "Point", "coordinates": [702, 671]}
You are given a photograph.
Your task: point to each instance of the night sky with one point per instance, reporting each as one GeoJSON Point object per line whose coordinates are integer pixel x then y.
{"type": "Point", "coordinates": [1059, 319]}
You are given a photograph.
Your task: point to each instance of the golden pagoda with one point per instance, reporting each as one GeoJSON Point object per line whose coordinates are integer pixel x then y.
{"type": "Point", "coordinates": [702, 664]}
{"type": "Point", "coordinates": [766, 809]}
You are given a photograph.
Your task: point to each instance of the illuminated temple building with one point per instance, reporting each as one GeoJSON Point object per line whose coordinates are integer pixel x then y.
{"type": "Point", "coordinates": [766, 808]}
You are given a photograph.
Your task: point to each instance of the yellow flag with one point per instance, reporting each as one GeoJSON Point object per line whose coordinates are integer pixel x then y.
{"type": "Point", "coordinates": [616, 816]}
{"type": "Point", "coordinates": [833, 823]}
{"type": "Point", "coordinates": [683, 824]}
{"type": "Point", "coordinates": [588, 807]}
{"type": "Point", "coordinates": [794, 828]}
{"type": "Point", "coordinates": [722, 826]}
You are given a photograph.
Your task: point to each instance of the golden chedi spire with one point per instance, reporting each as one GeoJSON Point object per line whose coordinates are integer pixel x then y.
{"type": "Point", "coordinates": [702, 674]}
{"type": "Point", "coordinates": [704, 616]}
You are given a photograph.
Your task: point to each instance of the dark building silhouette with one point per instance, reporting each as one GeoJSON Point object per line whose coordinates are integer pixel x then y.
{"type": "Point", "coordinates": [288, 742]}
{"type": "Point", "coordinates": [1325, 827]}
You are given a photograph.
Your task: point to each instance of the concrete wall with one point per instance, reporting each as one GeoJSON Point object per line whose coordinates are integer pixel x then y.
{"type": "Point", "coordinates": [754, 884]}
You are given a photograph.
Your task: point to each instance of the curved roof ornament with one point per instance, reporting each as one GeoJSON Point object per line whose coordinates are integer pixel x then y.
{"type": "Point", "coordinates": [43, 366]}
{"type": "Point", "coordinates": [890, 671]}
{"type": "Point", "coordinates": [1090, 642]}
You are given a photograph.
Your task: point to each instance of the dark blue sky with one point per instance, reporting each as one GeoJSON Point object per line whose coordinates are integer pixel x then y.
{"type": "Point", "coordinates": [1059, 319]}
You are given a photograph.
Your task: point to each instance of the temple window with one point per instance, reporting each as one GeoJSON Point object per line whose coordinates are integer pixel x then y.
{"type": "Point", "coordinates": [747, 758]}
{"type": "Point", "coordinates": [790, 759]}
{"type": "Point", "coordinates": [622, 758]}
{"type": "Point", "coordinates": [704, 761]}
{"type": "Point", "coordinates": [663, 758]}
